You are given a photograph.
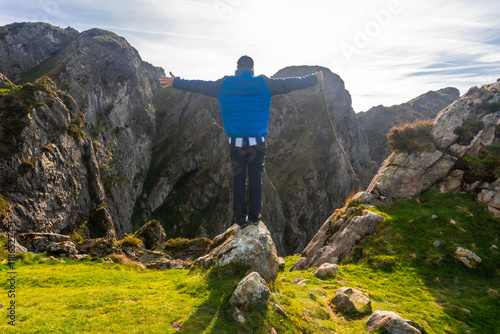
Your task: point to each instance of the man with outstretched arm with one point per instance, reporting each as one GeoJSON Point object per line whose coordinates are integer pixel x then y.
{"type": "Point", "coordinates": [245, 102]}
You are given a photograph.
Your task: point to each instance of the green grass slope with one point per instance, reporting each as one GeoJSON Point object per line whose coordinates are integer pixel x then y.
{"type": "Point", "coordinates": [400, 268]}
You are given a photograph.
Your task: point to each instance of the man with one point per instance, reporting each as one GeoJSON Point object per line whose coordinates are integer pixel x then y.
{"type": "Point", "coordinates": [245, 102]}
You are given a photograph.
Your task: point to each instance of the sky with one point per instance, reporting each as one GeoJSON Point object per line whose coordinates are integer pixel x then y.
{"type": "Point", "coordinates": [386, 51]}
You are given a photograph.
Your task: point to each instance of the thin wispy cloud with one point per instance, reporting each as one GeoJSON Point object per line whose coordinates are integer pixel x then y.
{"type": "Point", "coordinates": [386, 51]}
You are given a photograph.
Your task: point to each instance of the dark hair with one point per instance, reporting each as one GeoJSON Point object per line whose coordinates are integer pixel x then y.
{"type": "Point", "coordinates": [245, 62]}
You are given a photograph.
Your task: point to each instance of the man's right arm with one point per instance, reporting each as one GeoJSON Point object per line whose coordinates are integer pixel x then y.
{"type": "Point", "coordinates": [286, 85]}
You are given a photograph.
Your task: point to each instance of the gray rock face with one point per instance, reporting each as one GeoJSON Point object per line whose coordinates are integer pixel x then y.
{"type": "Point", "coordinates": [391, 322]}
{"type": "Point", "coordinates": [49, 172]}
{"type": "Point", "coordinates": [337, 238]}
{"type": "Point", "coordinates": [250, 247]}
{"type": "Point", "coordinates": [404, 175]}
{"type": "Point", "coordinates": [24, 45]}
{"type": "Point", "coordinates": [114, 89]}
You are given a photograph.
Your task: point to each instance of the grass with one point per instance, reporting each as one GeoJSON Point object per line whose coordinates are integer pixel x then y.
{"type": "Point", "coordinates": [400, 269]}
{"type": "Point", "coordinates": [411, 137]}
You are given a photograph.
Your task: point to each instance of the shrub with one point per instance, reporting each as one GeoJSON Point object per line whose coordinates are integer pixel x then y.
{"type": "Point", "coordinates": [468, 131]}
{"type": "Point", "coordinates": [26, 166]}
{"type": "Point", "coordinates": [484, 166]}
{"type": "Point", "coordinates": [412, 137]}
{"type": "Point", "coordinates": [75, 127]}
{"type": "Point", "coordinates": [130, 241]}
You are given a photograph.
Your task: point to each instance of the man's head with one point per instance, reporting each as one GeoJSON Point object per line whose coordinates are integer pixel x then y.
{"type": "Point", "coordinates": [245, 63]}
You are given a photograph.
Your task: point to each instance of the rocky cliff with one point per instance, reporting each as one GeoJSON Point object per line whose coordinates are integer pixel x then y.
{"type": "Point", "coordinates": [125, 152]}
{"type": "Point", "coordinates": [379, 120]}
{"type": "Point", "coordinates": [457, 152]}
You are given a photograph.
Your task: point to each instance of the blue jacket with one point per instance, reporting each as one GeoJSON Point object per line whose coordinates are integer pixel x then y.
{"type": "Point", "coordinates": [245, 100]}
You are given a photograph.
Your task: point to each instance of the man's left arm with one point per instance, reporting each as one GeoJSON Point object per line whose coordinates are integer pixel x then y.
{"type": "Point", "coordinates": [285, 85]}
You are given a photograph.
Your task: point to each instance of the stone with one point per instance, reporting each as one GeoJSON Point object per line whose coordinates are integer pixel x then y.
{"type": "Point", "coordinates": [326, 270]}
{"type": "Point", "coordinates": [437, 243]}
{"type": "Point", "coordinates": [300, 281]}
{"type": "Point", "coordinates": [251, 290]}
{"type": "Point", "coordinates": [281, 263]}
{"type": "Point", "coordinates": [492, 292]}
{"type": "Point", "coordinates": [18, 248]}
{"type": "Point", "coordinates": [467, 257]}
{"type": "Point", "coordinates": [390, 322]}
{"type": "Point", "coordinates": [452, 182]}
{"type": "Point", "coordinates": [63, 248]}
{"type": "Point", "coordinates": [251, 247]}
{"type": "Point", "coordinates": [152, 235]}
{"type": "Point", "coordinates": [351, 301]}
{"type": "Point", "coordinates": [491, 197]}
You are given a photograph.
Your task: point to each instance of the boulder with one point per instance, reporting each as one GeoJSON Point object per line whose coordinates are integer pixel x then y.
{"type": "Point", "coordinates": [491, 197]}
{"type": "Point", "coordinates": [99, 247]}
{"type": "Point", "coordinates": [351, 301]}
{"type": "Point", "coordinates": [281, 263]}
{"type": "Point", "coordinates": [251, 247]}
{"type": "Point", "coordinates": [337, 238]}
{"type": "Point", "coordinates": [152, 235]}
{"type": "Point", "coordinates": [392, 323]}
{"type": "Point", "coordinates": [453, 182]}
{"type": "Point", "coordinates": [251, 290]}
{"type": "Point", "coordinates": [38, 242]}
{"type": "Point", "coordinates": [326, 269]}
{"type": "Point", "coordinates": [467, 257]}
{"type": "Point", "coordinates": [63, 248]}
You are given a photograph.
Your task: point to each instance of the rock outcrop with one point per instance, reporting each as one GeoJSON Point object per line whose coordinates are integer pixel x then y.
{"type": "Point", "coordinates": [467, 127]}
{"type": "Point", "coordinates": [86, 150]}
{"type": "Point", "coordinates": [251, 247]}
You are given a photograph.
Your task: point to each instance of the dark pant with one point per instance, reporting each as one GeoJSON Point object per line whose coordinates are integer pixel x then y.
{"type": "Point", "coordinates": [251, 159]}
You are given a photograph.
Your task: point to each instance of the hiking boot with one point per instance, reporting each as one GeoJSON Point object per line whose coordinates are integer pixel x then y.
{"type": "Point", "coordinates": [242, 225]}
